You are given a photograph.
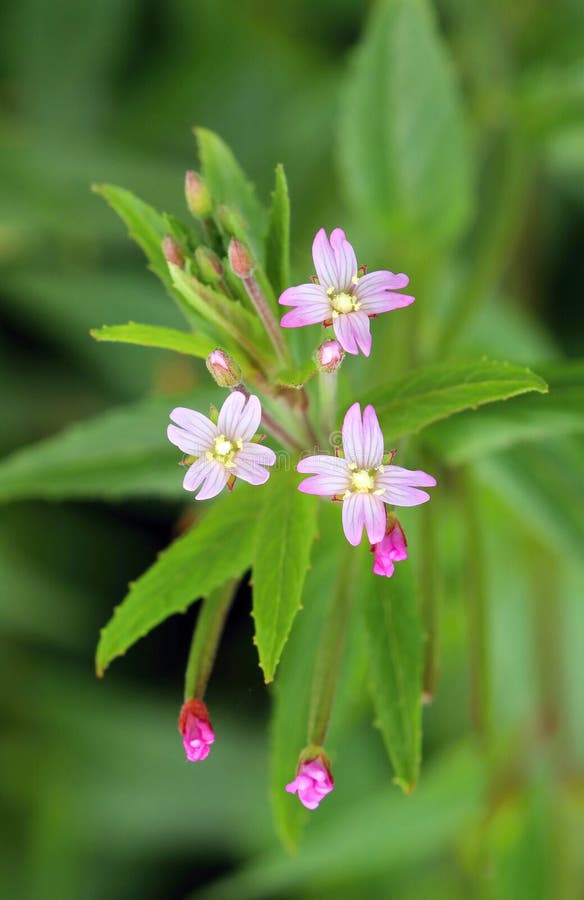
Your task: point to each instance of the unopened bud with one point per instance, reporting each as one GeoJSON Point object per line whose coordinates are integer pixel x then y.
{"type": "Point", "coordinates": [209, 265]}
{"type": "Point", "coordinates": [232, 221]}
{"type": "Point", "coordinates": [197, 732]}
{"type": "Point", "coordinates": [198, 196]}
{"type": "Point", "coordinates": [172, 251]}
{"type": "Point", "coordinates": [240, 259]}
{"type": "Point", "coordinates": [223, 368]}
{"type": "Point", "coordinates": [391, 549]}
{"type": "Point", "coordinates": [329, 356]}
{"type": "Point", "coordinates": [314, 778]}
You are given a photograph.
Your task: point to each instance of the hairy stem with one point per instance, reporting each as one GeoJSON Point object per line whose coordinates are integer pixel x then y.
{"type": "Point", "coordinates": [268, 319]}
{"type": "Point", "coordinates": [206, 637]}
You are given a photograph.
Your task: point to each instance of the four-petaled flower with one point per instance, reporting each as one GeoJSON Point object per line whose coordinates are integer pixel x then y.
{"type": "Point", "coordinates": [340, 297]}
{"type": "Point", "coordinates": [361, 480]}
{"type": "Point", "coordinates": [196, 730]}
{"type": "Point", "coordinates": [223, 451]}
{"type": "Point", "coordinates": [391, 549]}
{"type": "Point", "coordinates": [313, 782]}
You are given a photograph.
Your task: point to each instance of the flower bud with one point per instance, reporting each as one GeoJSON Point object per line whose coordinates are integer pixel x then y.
{"type": "Point", "coordinates": [196, 730]}
{"type": "Point", "coordinates": [172, 251]}
{"type": "Point", "coordinates": [197, 195]}
{"type": "Point", "coordinates": [393, 548]}
{"type": "Point", "coordinates": [224, 370]}
{"type": "Point", "coordinates": [240, 259]}
{"type": "Point", "coordinates": [313, 780]}
{"type": "Point", "coordinates": [209, 264]}
{"type": "Point", "coordinates": [329, 356]}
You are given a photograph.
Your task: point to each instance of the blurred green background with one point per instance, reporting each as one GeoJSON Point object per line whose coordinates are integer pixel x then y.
{"type": "Point", "coordinates": [96, 798]}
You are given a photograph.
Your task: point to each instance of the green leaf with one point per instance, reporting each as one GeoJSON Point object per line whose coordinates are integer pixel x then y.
{"type": "Point", "coordinates": [219, 546]}
{"type": "Point", "coordinates": [285, 533]}
{"type": "Point", "coordinates": [402, 145]}
{"type": "Point", "coordinates": [145, 225]}
{"type": "Point", "coordinates": [394, 636]}
{"type": "Point", "coordinates": [474, 434]}
{"type": "Point", "coordinates": [297, 376]}
{"type": "Point", "coordinates": [543, 486]}
{"type": "Point", "coordinates": [234, 326]}
{"type": "Point", "coordinates": [293, 686]}
{"type": "Point", "coordinates": [431, 394]}
{"type": "Point", "coordinates": [122, 453]}
{"type": "Point", "coordinates": [278, 238]}
{"type": "Point", "coordinates": [228, 184]}
{"type": "Point", "coordinates": [156, 336]}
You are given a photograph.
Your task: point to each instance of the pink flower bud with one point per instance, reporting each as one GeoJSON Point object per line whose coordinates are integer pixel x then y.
{"type": "Point", "coordinates": [209, 265]}
{"type": "Point", "coordinates": [391, 549]}
{"type": "Point", "coordinates": [172, 251]}
{"type": "Point", "coordinates": [240, 259]}
{"type": "Point", "coordinates": [195, 727]}
{"type": "Point", "coordinates": [224, 370]}
{"type": "Point", "coordinates": [313, 781]}
{"type": "Point", "coordinates": [329, 356]}
{"type": "Point", "coordinates": [197, 195]}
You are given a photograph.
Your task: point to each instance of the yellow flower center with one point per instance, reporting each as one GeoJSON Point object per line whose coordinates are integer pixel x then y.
{"type": "Point", "coordinates": [363, 481]}
{"type": "Point", "coordinates": [342, 302]}
{"type": "Point", "coordinates": [224, 451]}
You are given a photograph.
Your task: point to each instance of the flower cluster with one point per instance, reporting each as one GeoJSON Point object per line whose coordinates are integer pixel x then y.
{"type": "Point", "coordinates": [361, 477]}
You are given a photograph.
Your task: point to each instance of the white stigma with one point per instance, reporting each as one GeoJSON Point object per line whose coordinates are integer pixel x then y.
{"type": "Point", "coordinates": [362, 482]}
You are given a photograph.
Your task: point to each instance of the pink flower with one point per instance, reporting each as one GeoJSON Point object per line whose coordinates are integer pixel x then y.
{"type": "Point", "coordinates": [391, 549]}
{"type": "Point", "coordinates": [195, 727]}
{"type": "Point", "coordinates": [313, 781]}
{"type": "Point", "coordinates": [223, 451]}
{"type": "Point", "coordinates": [341, 297]}
{"type": "Point", "coordinates": [361, 480]}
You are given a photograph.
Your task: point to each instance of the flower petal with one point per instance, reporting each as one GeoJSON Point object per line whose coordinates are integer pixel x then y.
{"type": "Point", "coordinates": [404, 496]}
{"type": "Point", "coordinates": [398, 476]}
{"type": "Point", "coordinates": [375, 282]}
{"type": "Point", "coordinates": [361, 330]}
{"type": "Point", "coordinates": [325, 261]}
{"type": "Point", "coordinates": [372, 439]}
{"type": "Point", "coordinates": [324, 485]}
{"type": "Point", "coordinates": [201, 471]}
{"type": "Point", "coordinates": [353, 518]}
{"type": "Point", "coordinates": [385, 302]}
{"type": "Point", "coordinates": [374, 515]}
{"type": "Point", "coordinates": [250, 462]}
{"type": "Point", "coordinates": [308, 314]}
{"type": "Point", "coordinates": [324, 465]}
{"type": "Point", "coordinates": [346, 261]}
{"type": "Point", "coordinates": [352, 432]}
{"type": "Point", "coordinates": [215, 480]}
{"type": "Point", "coordinates": [305, 293]}
{"type": "Point", "coordinates": [195, 428]}
{"type": "Point", "coordinates": [239, 420]}
{"type": "Point", "coordinates": [257, 453]}
{"type": "Point", "coordinates": [345, 333]}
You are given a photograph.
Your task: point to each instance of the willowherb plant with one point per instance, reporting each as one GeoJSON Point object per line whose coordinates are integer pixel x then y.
{"type": "Point", "coordinates": [290, 408]}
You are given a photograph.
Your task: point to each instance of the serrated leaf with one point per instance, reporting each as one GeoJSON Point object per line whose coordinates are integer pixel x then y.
{"type": "Point", "coordinates": [408, 169]}
{"type": "Point", "coordinates": [474, 434]}
{"type": "Point", "coordinates": [394, 638]}
{"type": "Point", "coordinates": [278, 238]}
{"type": "Point", "coordinates": [145, 225]}
{"type": "Point", "coordinates": [156, 336]}
{"type": "Point", "coordinates": [285, 533]}
{"type": "Point", "coordinates": [431, 394]}
{"type": "Point", "coordinates": [121, 453]}
{"type": "Point", "coordinates": [228, 184]}
{"type": "Point", "coordinates": [219, 546]}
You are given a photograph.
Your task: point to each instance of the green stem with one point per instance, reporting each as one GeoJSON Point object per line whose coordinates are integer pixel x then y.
{"type": "Point", "coordinates": [269, 321]}
{"type": "Point", "coordinates": [328, 390]}
{"type": "Point", "coordinates": [330, 654]}
{"type": "Point", "coordinates": [478, 625]}
{"type": "Point", "coordinates": [430, 595]}
{"type": "Point", "coordinates": [206, 637]}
